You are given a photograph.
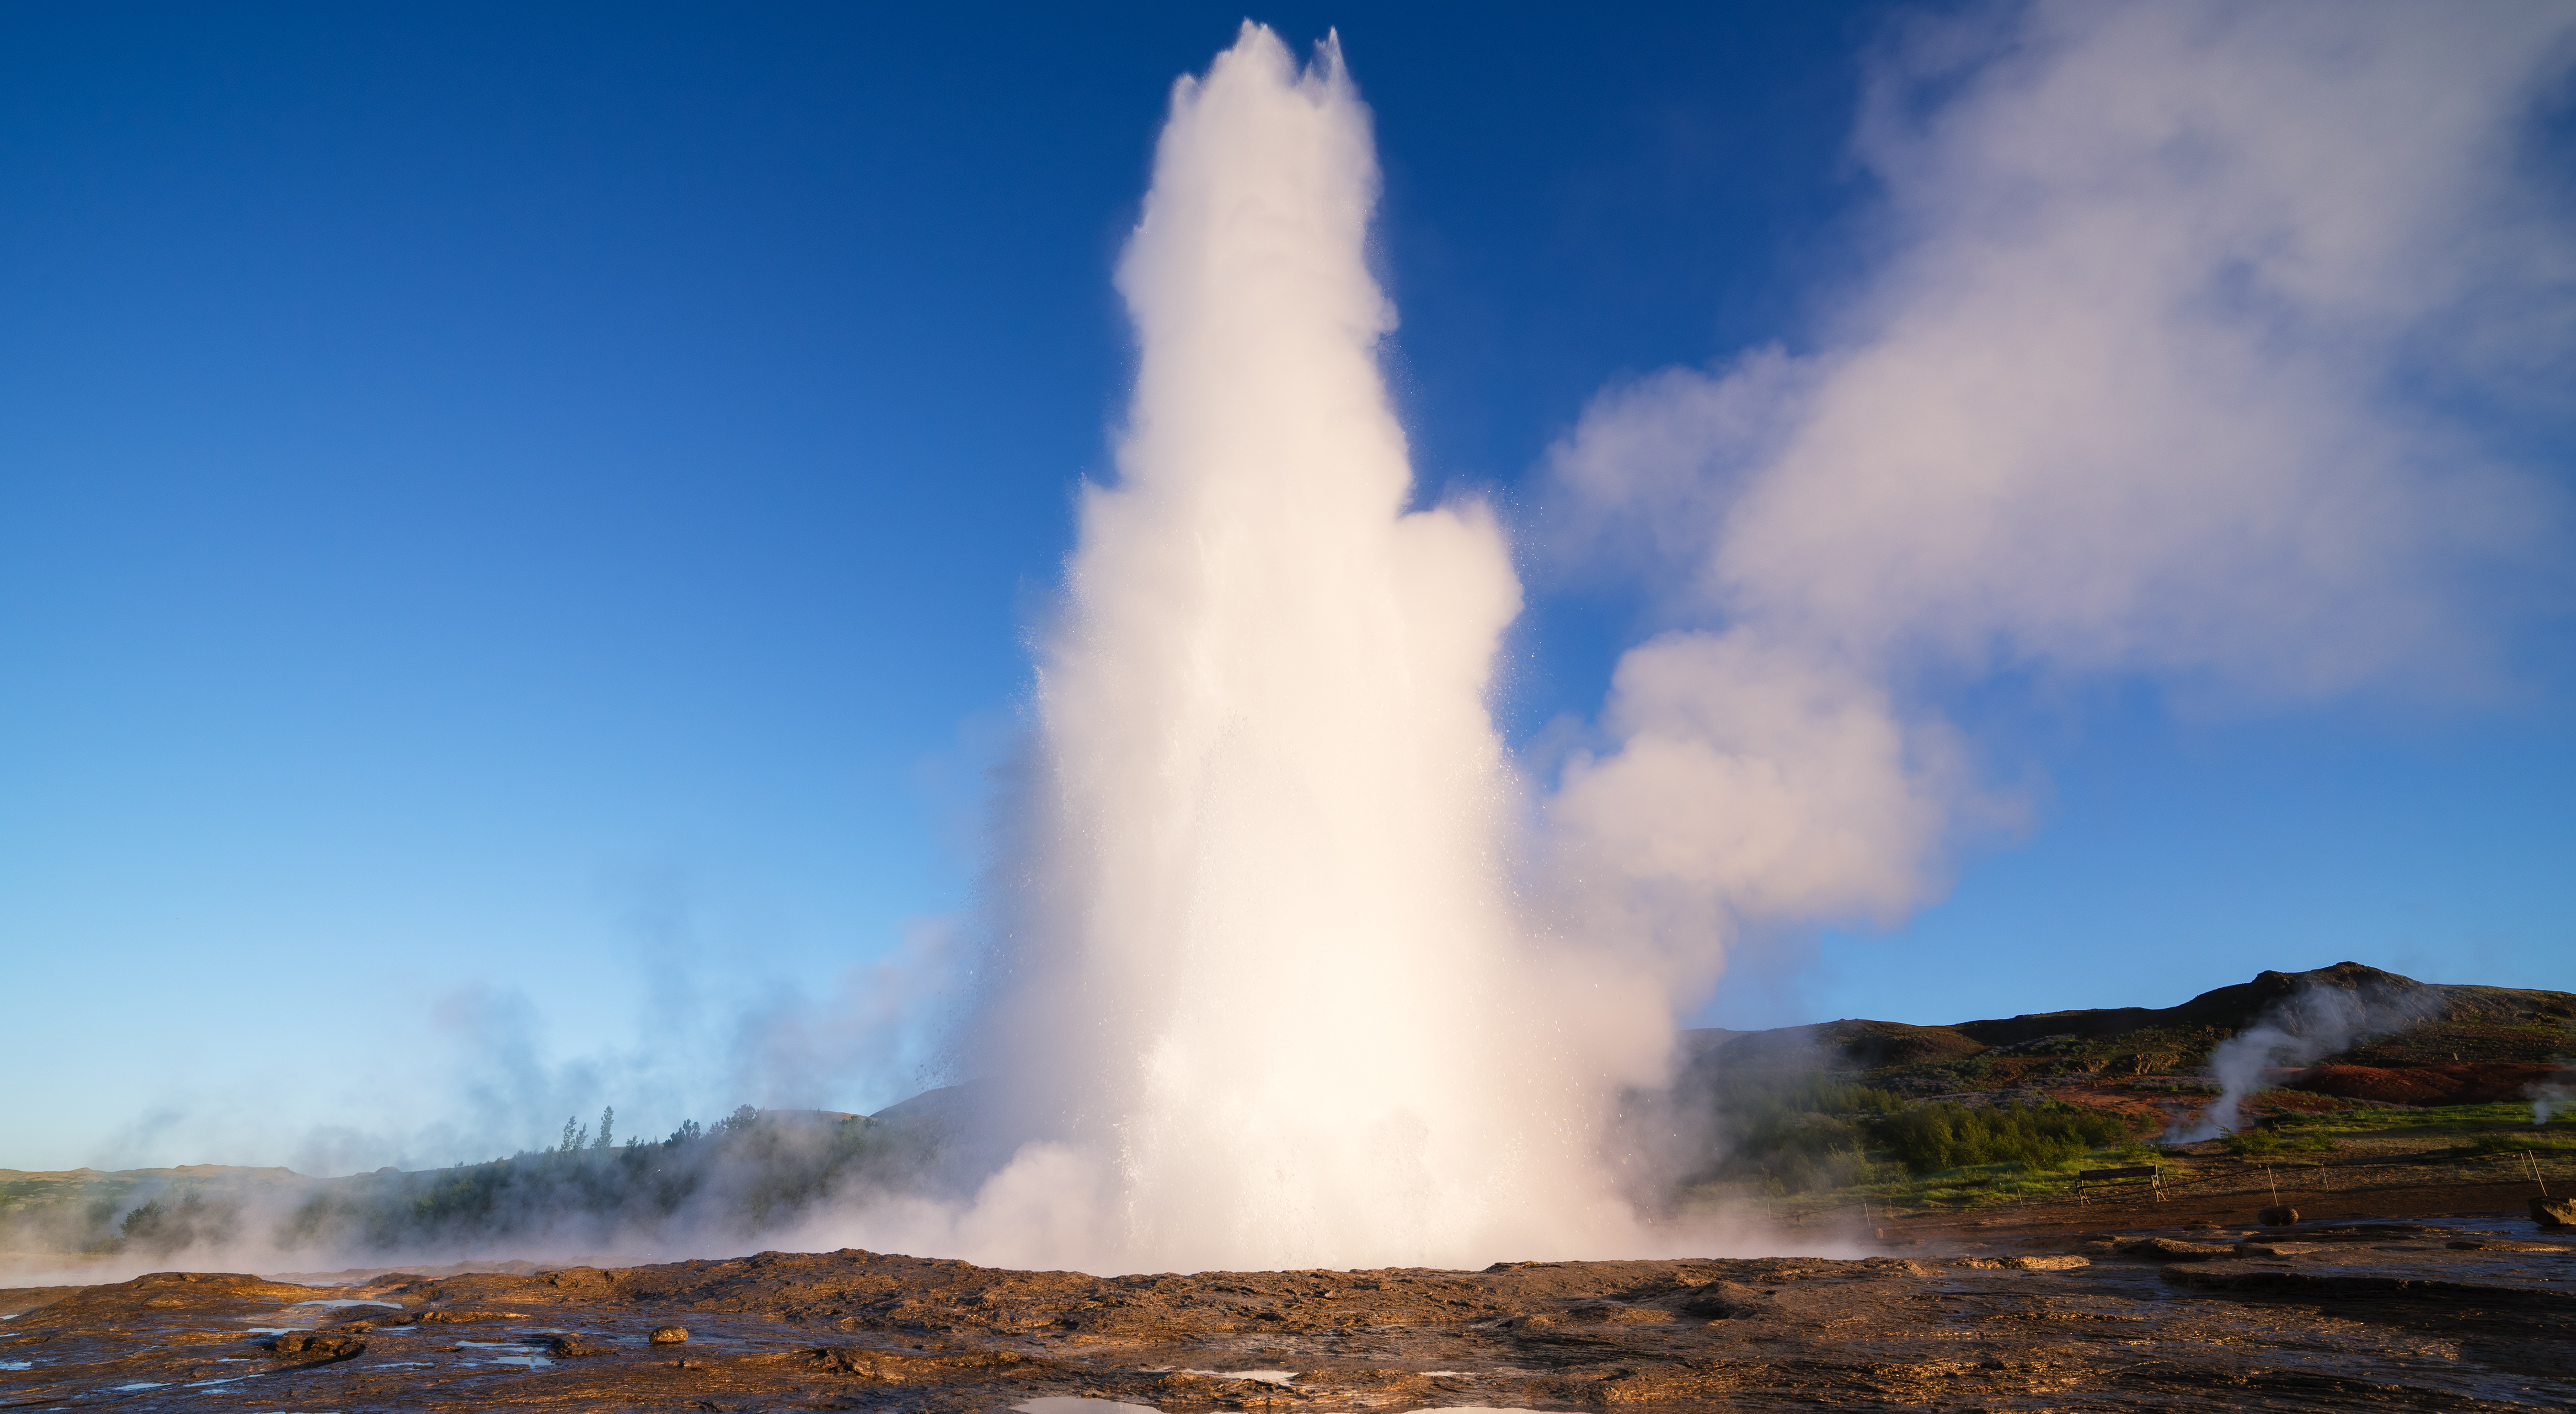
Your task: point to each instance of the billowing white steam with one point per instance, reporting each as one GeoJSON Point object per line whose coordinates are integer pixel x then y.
{"type": "Point", "coordinates": [2157, 380]}
{"type": "Point", "coordinates": [1273, 996]}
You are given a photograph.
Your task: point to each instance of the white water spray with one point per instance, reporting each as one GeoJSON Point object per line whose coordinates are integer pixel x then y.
{"type": "Point", "coordinates": [1277, 1011]}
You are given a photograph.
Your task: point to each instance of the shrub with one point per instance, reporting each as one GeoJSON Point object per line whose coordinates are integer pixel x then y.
{"type": "Point", "coordinates": [1930, 1138]}
{"type": "Point", "coordinates": [1794, 1132]}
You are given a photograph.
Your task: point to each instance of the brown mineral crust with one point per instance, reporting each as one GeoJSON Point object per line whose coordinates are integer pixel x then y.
{"type": "Point", "coordinates": [2396, 1319]}
{"type": "Point", "coordinates": [15, 1300]}
{"type": "Point", "coordinates": [2143, 1211]}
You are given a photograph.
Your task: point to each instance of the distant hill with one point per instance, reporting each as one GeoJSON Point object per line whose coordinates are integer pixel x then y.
{"type": "Point", "coordinates": [2443, 1024]}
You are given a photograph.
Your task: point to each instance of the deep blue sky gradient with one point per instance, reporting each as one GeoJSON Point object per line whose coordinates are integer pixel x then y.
{"type": "Point", "coordinates": [554, 499]}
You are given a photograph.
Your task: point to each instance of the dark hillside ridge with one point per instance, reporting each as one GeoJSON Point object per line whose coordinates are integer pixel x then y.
{"type": "Point", "coordinates": [2227, 1008]}
{"type": "Point", "coordinates": [2463, 1024]}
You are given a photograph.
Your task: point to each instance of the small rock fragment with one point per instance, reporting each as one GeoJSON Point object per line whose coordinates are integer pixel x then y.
{"type": "Point", "coordinates": [2554, 1212]}
{"type": "Point", "coordinates": [2277, 1249]}
{"type": "Point", "coordinates": [569, 1345]}
{"type": "Point", "coordinates": [314, 1345]}
{"type": "Point", "coordinates": [2282, 1216]}
{"type": "Point", "coordinates": [2166, 1249]}
{"type": "Point", "coordinates": [670, 1335]}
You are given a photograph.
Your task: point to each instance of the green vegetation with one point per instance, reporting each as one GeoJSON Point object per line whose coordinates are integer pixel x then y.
{"type": "Point", "coordinates": [1795, 1133]}
{"type": "Point", "coordinates": [2265, 1140]}
{"type": "Point", "coordinates": [2512, 1116]}
{"type": "Point", "coordinates": [740, 1174]}
{"type": "Point", "coordinates": [1789, 1133]}
{"type": "Point", "coordinates": [2533, 1141]}
{"type": "Point", "coordinates": [1932, 1137]}
{"type": "Point", "coordinates": [743, 1171]}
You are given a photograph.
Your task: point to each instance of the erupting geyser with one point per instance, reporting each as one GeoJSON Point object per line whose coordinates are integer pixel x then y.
{"type": "Point", "coordinates": [1272, 1007]}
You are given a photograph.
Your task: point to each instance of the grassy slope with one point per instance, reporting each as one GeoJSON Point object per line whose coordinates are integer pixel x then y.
{"type": "Point", "coordinates": [1802, 1146]}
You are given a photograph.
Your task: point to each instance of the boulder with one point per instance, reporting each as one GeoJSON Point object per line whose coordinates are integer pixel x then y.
{"type": "Point", "coordinates": [2277, 1217]}
{"type": "Point", "coordinates": [670, 1335]}
{"type": "Point", "coordinates": [2554, 1212]}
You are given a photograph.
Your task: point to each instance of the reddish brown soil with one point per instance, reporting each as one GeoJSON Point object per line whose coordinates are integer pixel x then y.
{"type": "Point", "coordinates": [2143, 1113]}
{"type": "Point", "coordinates": [2459, 1083]}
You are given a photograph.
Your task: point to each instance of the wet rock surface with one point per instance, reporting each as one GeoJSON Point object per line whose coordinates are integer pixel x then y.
{"type": "Point", "coordinates": [2406, 1316]}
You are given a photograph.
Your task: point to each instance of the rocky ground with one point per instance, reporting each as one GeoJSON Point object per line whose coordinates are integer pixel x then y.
{"type": "Point", "coordinates": [2457, 1315]}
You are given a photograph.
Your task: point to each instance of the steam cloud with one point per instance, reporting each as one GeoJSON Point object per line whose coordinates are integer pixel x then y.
{"type": "Point", "coordinates": [2296, 1032]}
{"type": "Point", "coordinates": [2554, 1095]}
{"type": "Point", "coordinates": [1271, 1000]}
{"type": "Point", "coordinates": [2155, 380]}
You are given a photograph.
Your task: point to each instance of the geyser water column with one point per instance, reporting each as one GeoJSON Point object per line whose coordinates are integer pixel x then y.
{"type": "Point", "coordinates": [1271, 988]}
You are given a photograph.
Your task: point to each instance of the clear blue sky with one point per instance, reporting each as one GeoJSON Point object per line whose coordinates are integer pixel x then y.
{"type": "Point", "coordinates": [540, 510]}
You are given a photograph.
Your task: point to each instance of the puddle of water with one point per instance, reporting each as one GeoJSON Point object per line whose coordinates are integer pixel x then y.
{"type": "Point", "coordinates": [388, 1305]}
{"type": "Point", "coordinates": [139, 1384]}
{"type": "Point", "coordinates": [533, 1362]}
{"type": "Point", "coordinates": [1068, 1404]}
{"type": "Point", "coordinates": [1268, 1377]}
{"type": "Point", "coordinates": [17, 1364]}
